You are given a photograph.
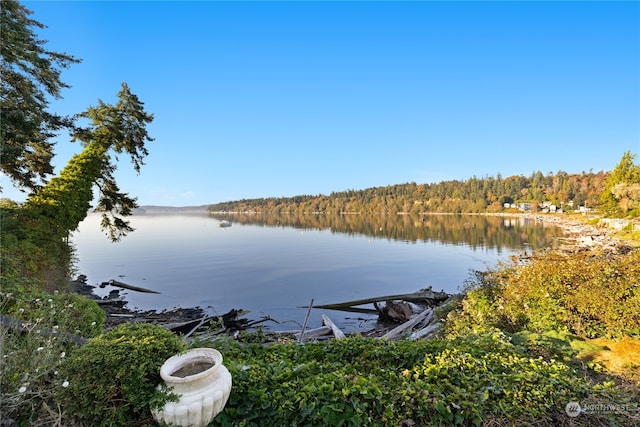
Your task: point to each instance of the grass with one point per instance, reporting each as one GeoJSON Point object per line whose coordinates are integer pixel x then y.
{"type": "Point", "coordinates": [617, 356]}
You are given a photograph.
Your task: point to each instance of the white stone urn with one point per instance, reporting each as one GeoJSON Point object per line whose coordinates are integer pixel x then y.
{"type": "Point", "coordinates": [202, 383]}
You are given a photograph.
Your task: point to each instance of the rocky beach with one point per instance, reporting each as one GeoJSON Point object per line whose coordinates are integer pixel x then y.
{"type": "Point", "coordinates": [583, 234]}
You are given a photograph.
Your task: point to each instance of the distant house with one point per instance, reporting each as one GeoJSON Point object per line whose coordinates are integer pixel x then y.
{"type": "Point", "coordinates": [525, 207]}
{"type": "Point", "coordinates": [549, 207]}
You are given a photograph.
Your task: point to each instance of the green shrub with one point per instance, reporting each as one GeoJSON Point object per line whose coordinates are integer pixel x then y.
{"type": "Point", "coordinates": [67, 312]}
{"type": "Point", "coordinates": [587, 294]}
{"type": "Point", "coordinates": [113, 379]}
{"type": "Point", "coordinates": [355, 381]}
{"type": "Point", "coordinates": [35, 347]}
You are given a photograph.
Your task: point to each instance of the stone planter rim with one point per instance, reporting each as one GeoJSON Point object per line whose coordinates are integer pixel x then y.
{"type": "Point", "coordinates": [174, 363]}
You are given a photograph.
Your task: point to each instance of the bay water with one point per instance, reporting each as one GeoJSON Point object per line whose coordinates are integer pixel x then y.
{"type": "Point", "coordinates": [274, 265]}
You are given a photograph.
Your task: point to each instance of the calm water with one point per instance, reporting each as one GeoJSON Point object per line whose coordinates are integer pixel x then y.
{"type": "Point", "coordinates": [274, 265]}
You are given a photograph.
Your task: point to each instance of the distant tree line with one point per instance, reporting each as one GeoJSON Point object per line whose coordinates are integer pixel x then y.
{"type": "Point", "coordinates": [613, 191]}
{"type": "Point", "coordinates": [474, 195]}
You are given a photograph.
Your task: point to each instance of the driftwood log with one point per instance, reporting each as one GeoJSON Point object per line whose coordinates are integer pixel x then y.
{"type": "Point", "coordinates": [310, 333]}
{"type": "Point", "coordinates": [394, 311]}
{"type": "Point", "coordinates": [230, 320]}
{"type": "Point", "coordinates": [183, 321]}
{"type": "Point", "coordinates": [327, 330]}
{"type": "Point", "coordinates": [427, 322]}
{"type": "Point", "coordinates": [336, 331]}
{"type": "Point", "coordinates": [425, 296]}
{"type": "Point", "coordinates": [427, 331]}
{"type": "Point", "coordinates": [397, 332]}
{"type": "Point", "coordinates": [127, 286]}
{"type": "Point", "coordinates": [397, 308]}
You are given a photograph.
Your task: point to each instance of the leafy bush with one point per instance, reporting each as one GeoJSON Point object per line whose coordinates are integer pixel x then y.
{"type": "Point", "coordinates": [462, 381]}
{"type": "Point", "coordinates": [26, 251]}
{"type": "Point", "coordinates": [69, 313]}
{"type": "Point", "coordinates": [588, 294]}
{"type": "Point", "coordinates": [32, 357]}
{"type": "Point", "coordinates": [112, 379]}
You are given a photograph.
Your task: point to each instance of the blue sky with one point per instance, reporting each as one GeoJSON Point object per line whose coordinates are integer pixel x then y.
{"type": "Point", "coordinates": [261, 99]}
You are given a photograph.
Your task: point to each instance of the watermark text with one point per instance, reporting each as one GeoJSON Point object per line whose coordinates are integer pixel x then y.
{"type": "Point", "coordinates": [573, 409]}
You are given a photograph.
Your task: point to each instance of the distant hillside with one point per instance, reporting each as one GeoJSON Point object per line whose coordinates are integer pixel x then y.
{"type": "Point", "coordinates": [561, 191]}
{"type": "Point", "coordinates": [144, 210]}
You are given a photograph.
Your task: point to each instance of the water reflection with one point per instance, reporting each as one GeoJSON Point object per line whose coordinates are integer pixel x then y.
{"type": "Point", "coordinates": [486, 231]}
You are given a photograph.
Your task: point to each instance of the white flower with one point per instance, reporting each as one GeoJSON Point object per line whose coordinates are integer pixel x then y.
{"type": "Point", "coordinates": [70, 306]}
{"type": "Point", "coordinates": [93, 323]}
{"type": "Point", "coordinates": [62, 354]}
{"type": "Point", "coordinates": [40, 349]}
{"type": "Point", "coordinates": [55, 372]}
{"type": "Point", "coordinates": [49, 300]}
{"type": "Point", "coordinates": [65, 384]}
{"type": "Point", "coordinates": [22, 389]}
{"type": "Point", "coordinates": [55, 326]}
{"type": "Point", "coordinates": [21, 310]}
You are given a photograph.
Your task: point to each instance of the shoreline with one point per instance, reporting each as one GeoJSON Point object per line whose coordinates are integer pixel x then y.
{"type": "Point", "coordinates": [579, 234]}
{"type": "Point", "coordinates": [584, 236]}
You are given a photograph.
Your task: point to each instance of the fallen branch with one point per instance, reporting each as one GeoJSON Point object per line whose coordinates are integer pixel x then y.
{"type": "Point", "coordinates": [130, 287]}
{"type": "Point", "coordinates": [420, 296]}
{"type": "Point", "coordinates": [313, 333]}
{"type": "Point", "coordinates": [228, 321]}
{"type": "Point", "coordinates": [336, 331]}
{"type": "Point", "coordinates": [395, 332]}
{"type": "Point", "coordinates": [195, 328]}
{"type": "Point", "coordinates": [426, 331]}
{"type": "Point", "coordinates": [306, 318]}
